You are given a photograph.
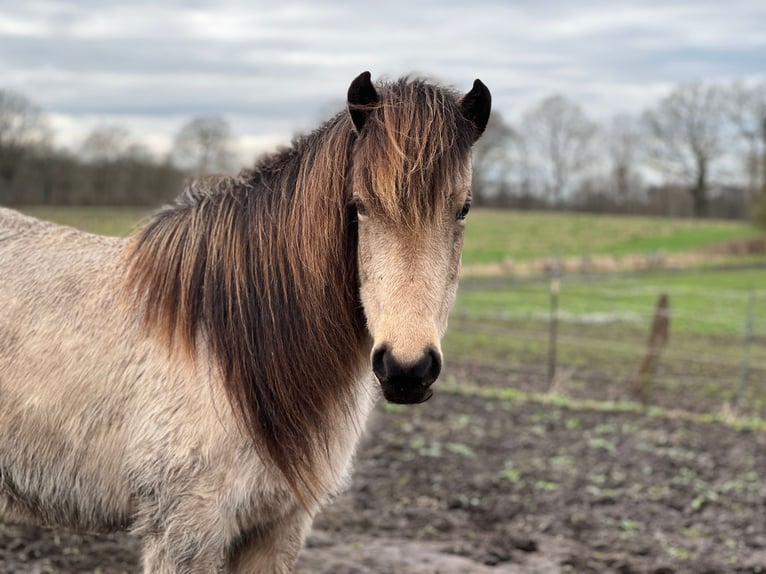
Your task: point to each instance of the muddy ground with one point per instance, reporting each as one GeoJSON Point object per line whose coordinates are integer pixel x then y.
{"type": "Point", "coordinates": [463, 484]}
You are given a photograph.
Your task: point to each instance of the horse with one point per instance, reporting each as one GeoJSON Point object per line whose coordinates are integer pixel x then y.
{"type": "Point", "coordinates": [203, 382]}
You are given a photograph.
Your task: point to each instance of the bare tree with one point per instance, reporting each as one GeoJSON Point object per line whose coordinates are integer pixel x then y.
{"type": "Point", "coordinates": [105, 144]}
{"type": "Point", "coordinates": [558, 136]}
{"type": "Point", "coordinates": [104, 150]}
{"type": "Point", "coordinates": [686, 130]}
{"type": "Point", "coordinates": [493, 159]}
{"type": "Point", "coordinates": [204, 145]}
{"type": "Point", "coordinates": [23, 130]}
{"type": "Point", "coordinates": [746, 108]}
{"type": "Point", "coordinates": [624, 139]}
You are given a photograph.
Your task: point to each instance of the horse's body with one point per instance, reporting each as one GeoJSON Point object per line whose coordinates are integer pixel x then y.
{"type": "Point", "coordinates": [117, 411]}
{"type": "Point", "coordinates": [113, 444]}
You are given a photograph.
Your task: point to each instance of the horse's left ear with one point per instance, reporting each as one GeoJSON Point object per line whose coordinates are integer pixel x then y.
{"type": "Point", "coordinates": [476, 105]}
{"type": "Point", "coordinates": [361, 95]}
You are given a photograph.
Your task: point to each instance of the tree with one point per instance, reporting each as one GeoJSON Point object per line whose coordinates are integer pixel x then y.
{"type": "Point", "coordinates": [624, 142]}
{"type": "Point", "coordinates": [492, 159]}
{"type": "Point", "coordinates": [686, 130]}
{"type": "Point", "coordinates": [204, 146]}
{"type": "Point", "coordinates": [559, 136]}
{"type": "Point", "coordinates": [746, 108]}
{"type": "Point", "coordinates": [103, 150]}
{"type": "Point", "coordinates": [105, 145]}
{"type": "Point", "coordinates": [23, 131]}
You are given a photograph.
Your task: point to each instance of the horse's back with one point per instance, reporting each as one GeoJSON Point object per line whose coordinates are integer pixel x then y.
{"type": "Point", "coordinates": [14, 223]}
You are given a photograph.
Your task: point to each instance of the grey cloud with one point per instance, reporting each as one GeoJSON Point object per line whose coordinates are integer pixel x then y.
{"type": "Point", "coordinates": [285, 64]}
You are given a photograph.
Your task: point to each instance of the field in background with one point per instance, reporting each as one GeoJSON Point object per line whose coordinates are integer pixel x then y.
{"type": "Point", "coordinates": [717, 331]}
{"type": "Point", "coordinates": [497, 236]}
{"type": "Point", "coordinates": [102, 220]}
{"type": "Point", "coordinates": [493, 236]}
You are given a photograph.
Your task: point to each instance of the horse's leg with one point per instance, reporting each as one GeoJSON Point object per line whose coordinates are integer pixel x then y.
{"type": "Point", "coordinates": [187, 540]}
{"type": "Point", "coordinates": [190, 556]}
{"type": "Point", "coordinates": [275, 550]}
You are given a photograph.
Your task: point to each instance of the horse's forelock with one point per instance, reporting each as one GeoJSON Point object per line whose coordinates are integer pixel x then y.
{"type": "Point", "coordinates": [414, 143]}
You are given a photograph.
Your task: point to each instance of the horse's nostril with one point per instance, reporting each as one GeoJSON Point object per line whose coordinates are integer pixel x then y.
{"type": "Point", "coordinates": [379, 362]}
{"type": "Point", "coordinates": [435, 366]}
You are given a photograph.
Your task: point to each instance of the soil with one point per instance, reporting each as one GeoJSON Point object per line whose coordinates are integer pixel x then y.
{"type": "Point", "coordinates": [463, 484]}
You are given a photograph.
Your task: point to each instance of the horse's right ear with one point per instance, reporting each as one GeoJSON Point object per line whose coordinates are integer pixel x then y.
{"type": "Point", "coordinates": [361, 97]}
{"type": "Point", "coordinates": [476, 105]}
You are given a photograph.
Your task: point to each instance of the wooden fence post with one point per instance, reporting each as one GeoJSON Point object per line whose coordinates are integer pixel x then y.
{"type": "Point", "coordinates": [640, 387]}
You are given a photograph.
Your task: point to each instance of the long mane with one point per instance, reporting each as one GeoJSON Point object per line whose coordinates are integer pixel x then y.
{"type": "Point", "coordinates": [261, 267]}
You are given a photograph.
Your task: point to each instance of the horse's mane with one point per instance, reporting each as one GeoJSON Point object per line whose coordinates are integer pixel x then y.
{"type": "Point", "coordinates": [262, 267]}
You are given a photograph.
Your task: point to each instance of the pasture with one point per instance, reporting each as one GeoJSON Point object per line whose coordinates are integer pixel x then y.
{"type": "Point", "coordinates": [494, 236]}
{"type": "Point", "coordinates": [504, 470]}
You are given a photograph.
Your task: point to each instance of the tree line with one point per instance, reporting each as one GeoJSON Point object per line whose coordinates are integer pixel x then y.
{"type": "Point", "coordinates": [108, 168]}
{"type": "Point", "coordinates": [700, 150]}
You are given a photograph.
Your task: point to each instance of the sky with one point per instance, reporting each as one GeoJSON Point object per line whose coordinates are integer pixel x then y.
{"type": "Point", "coordinates": [277, 67]}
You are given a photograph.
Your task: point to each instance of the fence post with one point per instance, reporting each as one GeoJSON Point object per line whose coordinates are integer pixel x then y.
{"type": "Point", "coordinates": [745, 368]}
{"type": "Point", "coordinates": [555, 287]}
{"type": "Point", "coordinates": [658, 338]}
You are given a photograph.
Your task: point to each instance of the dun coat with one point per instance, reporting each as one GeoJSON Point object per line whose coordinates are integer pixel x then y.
{"type": "Point", "coordinates": [203, 383]}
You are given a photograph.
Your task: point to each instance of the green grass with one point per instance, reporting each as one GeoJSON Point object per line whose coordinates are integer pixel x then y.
{"type": "Point", "coordinates": [700, 301]}
{"type": "Point", "coordinates": [102, 220]}
{"type": "Point", "coordinates": [494, 236]}
{"type": "Point", "coordinates": [603, 328]}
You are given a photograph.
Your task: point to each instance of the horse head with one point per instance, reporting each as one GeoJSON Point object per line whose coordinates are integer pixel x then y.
{"type": "Point", "coordinates": [410, 195]}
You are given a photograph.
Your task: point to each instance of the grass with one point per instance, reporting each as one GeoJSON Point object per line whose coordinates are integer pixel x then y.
{"type": "Point", "coordinates": [574, 404]}
{"type": "Point", "coordinates": [114, 221]}
{"type": "Point", "coordinates": [494, 236]}
{"type": "Point", "coordinates": [700, 301]}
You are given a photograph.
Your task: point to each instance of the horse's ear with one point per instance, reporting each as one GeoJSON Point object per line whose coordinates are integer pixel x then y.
{"type": "Point", "coordinates": [476, 105]}
{"type": "Point", "coordinates": [361, 97]}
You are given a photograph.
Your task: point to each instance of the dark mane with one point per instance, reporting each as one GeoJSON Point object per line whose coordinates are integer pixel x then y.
{"type": "Point", "coordinates": [262, 267]}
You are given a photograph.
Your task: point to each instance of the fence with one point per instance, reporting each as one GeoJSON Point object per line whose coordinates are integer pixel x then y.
{"type": "Point", "coordinates": [692, 340]}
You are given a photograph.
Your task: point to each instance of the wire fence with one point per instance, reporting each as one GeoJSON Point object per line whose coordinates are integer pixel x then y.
{"type": "Point", "coordinates": [704, 350]}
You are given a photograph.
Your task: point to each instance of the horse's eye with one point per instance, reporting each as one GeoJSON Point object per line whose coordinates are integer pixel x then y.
{"type": "Point", "coordinates": [359, 206]}
{"type": "Point", "coordinates": [464, 211]}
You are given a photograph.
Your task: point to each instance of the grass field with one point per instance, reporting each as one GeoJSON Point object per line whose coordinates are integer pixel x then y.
{"type": "Point", "coordinates": [102, 220]}
{"type": "Point", "coordinates": [701, 301]}
{"type": "Point", "coordinates": [495, 236]}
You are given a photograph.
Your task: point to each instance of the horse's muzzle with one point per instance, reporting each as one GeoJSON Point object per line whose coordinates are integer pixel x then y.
{"type": "Point", "coordinates": [406, 383]}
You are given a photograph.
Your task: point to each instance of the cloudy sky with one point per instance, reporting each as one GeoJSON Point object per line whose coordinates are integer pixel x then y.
{"type": "Point", "coordinates": [271, 68]}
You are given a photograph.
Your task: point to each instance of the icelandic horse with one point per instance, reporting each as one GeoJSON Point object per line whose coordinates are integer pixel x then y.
{"type": "Point", "coordinates": [203, 383]}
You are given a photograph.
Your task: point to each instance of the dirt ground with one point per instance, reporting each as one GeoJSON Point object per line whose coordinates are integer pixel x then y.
{"type": "Point", "coordinates": [462, 484]}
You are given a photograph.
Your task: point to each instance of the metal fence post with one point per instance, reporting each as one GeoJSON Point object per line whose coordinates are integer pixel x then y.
{"type": "Point", "coordinates": [555, 287]}
{"type": "Point", "coordinates": [745, 368]}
